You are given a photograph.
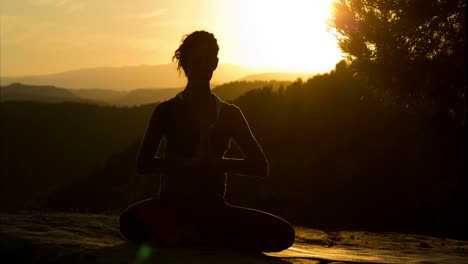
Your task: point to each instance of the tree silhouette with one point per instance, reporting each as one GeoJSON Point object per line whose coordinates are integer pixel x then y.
{"type": "Point", "coordinates": [412, 50]}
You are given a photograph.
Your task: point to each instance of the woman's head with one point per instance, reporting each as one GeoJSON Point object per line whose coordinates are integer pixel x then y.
{"type": "Point", "coordinates": [197, 55]}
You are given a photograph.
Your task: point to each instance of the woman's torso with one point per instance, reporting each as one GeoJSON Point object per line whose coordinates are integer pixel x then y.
{"type": "Point", "coordinates": [184, 128]}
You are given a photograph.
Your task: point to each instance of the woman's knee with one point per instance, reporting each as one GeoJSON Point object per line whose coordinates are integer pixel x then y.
{"type": "Point", "coordinates": [131, 221]}
{"type": "Point", "coordinates": [266, 231]}
{"type": "Point", "coordinates": [284, 237]}
{"type": "Point", "coordinates": [288, 236]}
{"type": "Point", "coordinates": [127, 224]}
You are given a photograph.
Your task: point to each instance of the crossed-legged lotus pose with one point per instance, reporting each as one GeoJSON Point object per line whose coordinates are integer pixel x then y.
{"type": "Point", "coordinates": [190, 209]}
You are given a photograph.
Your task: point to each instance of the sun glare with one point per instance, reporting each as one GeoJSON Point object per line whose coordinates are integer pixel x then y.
{"type": "Point", "coordinates": [283, 35]}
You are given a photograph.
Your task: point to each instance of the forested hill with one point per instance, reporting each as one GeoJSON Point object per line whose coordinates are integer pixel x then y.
{"type": "Point", "coordinates": [232, 90]}
{"type": "Point", "coordinates": [340, 157]}
{"type": "Point", "coordinates": [51, 94]}
{"type": "Point", "coordinates": [36, 93]}
{"type": "Point", "coordinates": [46, 146]}
{"type": "Point", "coordinates": [22, 92]}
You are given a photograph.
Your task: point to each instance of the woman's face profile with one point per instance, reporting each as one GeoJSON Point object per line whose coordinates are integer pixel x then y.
{"type": "Point", "coordinates": [200, 64]}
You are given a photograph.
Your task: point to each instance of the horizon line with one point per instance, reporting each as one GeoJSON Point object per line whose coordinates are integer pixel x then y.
{"type": "Point", "coordinates": [258, 69]}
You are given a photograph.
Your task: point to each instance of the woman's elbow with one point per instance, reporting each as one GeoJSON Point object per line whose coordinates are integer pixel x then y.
{"type": "Point", "coordinates": [143, 167]}
{"type": "Point", "coordinates": [262, 170]}
{"type": "Point", "coordinates": [266, 169]}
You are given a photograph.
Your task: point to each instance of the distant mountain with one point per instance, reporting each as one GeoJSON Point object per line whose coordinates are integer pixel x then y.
{"type": "Point", "coordinates": [232, 90]}
{"type": "Point", "coordinates": [127, 78]}
{"type": "Point", "coordinates": [278, 76]}
{"type": "Point", "coordinates": [49, 94]}
{"type": "Point", "coordinates": [152, 76]}
{"type": "Point", "coordinates": [104, 95]}
{"type": "Point", "coordinates": [145, 96]}
{"type": "Point", "coordinates": [22, 92]}
{"type": "Point", "coordinates": [124, 95]}
{"type": "Point", "coordinates": [127, 98]}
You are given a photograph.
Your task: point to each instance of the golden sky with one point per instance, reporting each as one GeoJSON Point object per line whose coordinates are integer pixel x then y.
{"type": "Point", "coordinates": [46, 36]}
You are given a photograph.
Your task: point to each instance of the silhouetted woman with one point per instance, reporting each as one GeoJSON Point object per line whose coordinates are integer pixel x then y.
{"type": "Point", "coordinates": [190, 209]}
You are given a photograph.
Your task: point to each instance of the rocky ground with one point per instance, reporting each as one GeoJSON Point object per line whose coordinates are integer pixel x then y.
{"type": "Point", "coordinates": [39, 237]}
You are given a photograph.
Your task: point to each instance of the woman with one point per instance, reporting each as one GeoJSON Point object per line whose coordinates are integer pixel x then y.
{"type": "Point", "coordinates": [190, 209]}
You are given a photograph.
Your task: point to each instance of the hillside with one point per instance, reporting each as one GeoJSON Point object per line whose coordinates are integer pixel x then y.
{"type": "Point", "coordinates": [22, 92]}
{"type": "Point", "coordinates": [128, 98]}
{"type": "Point", "coordinates": [51, 94]}
{"type": "Point", "coordinates": [104, 95]}
{"type": "Point", "coordinates": [145, 96]}
{"type": "Point", "coordinates": [46, 94]}
{"type": "Point", "coordinates": [48, 146]}
{"type": "Point", "coordinates": [278, 76]}
{"type": "Point", "coordinates": [232, 90]}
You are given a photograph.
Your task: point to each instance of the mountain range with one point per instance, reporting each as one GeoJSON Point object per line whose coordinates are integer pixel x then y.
{"type": "Point", "coordinates": [52, 94]}
{"type": "Point", "coordinates": [144, 76]}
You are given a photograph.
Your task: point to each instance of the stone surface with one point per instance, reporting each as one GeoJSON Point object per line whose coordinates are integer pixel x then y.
{"type": "Point", "coordinates": [39, 237]}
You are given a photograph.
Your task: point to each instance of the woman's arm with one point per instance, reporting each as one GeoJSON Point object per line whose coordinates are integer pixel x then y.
{"type": "Point", "coordinates": [254, 162]}
{"type": "Point", "coordinates": [147, 162]}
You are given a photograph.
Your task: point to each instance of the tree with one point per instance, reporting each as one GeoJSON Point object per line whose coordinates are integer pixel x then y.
{"type": "Point", "coordinates": [412, 50]}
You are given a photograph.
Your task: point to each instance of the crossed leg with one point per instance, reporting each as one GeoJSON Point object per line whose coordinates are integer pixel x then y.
{"type": "Point", "coordinates": [225, 226]}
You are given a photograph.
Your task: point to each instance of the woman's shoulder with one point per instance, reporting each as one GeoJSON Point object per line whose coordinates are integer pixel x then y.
{"type": "Point", "coordinates": [166, 105]}
{"type": "Point", "coordinates": [230, 108]}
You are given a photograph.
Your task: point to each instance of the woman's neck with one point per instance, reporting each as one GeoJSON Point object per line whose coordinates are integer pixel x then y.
{"type": "Point", "coordinates": [197, 90]}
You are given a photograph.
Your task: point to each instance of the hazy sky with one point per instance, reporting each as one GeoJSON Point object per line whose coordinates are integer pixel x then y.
{"type": "Point", "coordinates": [45, 36]}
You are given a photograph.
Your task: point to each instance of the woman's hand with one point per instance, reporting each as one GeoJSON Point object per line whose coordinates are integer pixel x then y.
{"type": "Point", "coordinates": [204, 159]}
{"type": "Point", "coordinates": [200, 162]}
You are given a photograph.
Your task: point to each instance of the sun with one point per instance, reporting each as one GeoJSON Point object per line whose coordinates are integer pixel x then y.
{"type": "Point", "coordinates": [283, 35]}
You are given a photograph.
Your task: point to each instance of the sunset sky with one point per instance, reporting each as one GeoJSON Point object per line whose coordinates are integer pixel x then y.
{"type": "Point", "coordinates": [47, 36]}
